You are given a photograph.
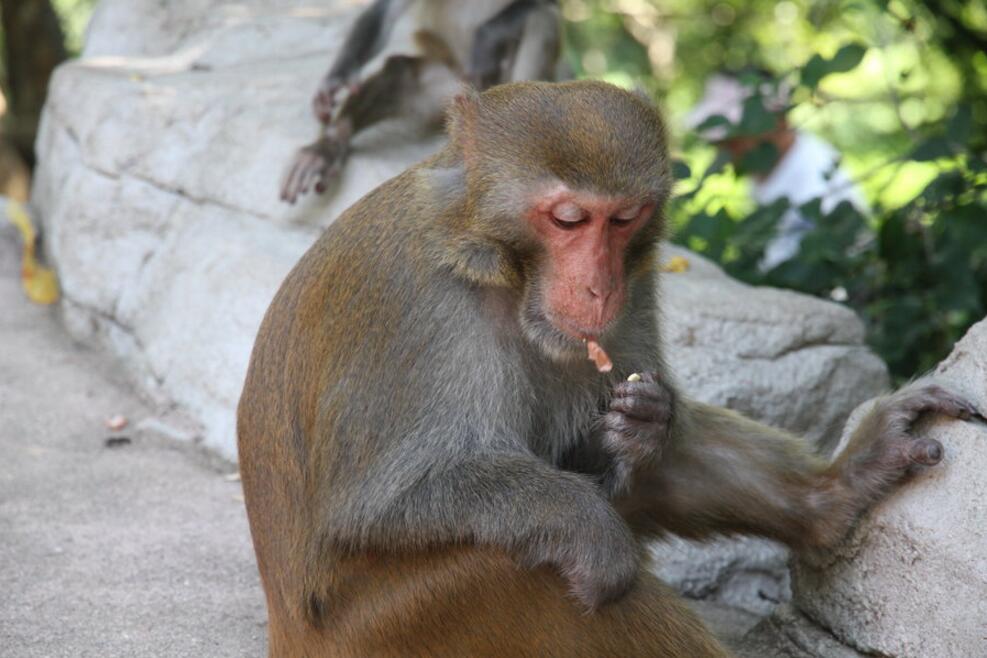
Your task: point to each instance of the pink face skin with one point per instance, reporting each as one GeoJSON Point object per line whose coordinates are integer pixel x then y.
{"type": "Point", "coordinates": [585, 235]}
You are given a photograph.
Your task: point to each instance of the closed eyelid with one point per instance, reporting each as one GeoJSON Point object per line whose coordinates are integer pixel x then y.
{"type": "Point", "coordinates": [568, 212]}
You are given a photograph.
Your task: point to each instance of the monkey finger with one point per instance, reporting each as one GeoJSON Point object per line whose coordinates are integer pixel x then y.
{"type": "Point", "coordinates": [649, 377]}
{"type": "Point", "coordinates": [313, 169]}
{"type": "Point", "coordinates": [304, 180]}
{"type": "Point", "coordinates": [289, 187]}
{"type": "Point", "coordinates": [628, 438]}
{"type": "Point", "coordinates": [640, 389]}
{"type": "Point", "coordinates": [937, 399]}
{"type": "Point", "coordinates": [639, 408]}
{"type": "Point", "coordinates": [296, 185]}
{"type": "Point", "coordinates": [927, 452]}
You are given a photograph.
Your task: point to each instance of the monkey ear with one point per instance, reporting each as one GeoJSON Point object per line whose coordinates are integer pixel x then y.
{"type": "Point", "coordinates": [482, 262]}
{"type": "Point", "coordinates": [461, 119]}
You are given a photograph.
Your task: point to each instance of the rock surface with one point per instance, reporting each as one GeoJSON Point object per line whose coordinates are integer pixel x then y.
{"type": "Point", "coordinates": [912, 579]}
{"type": "Point", "coordinates": [160, 154]}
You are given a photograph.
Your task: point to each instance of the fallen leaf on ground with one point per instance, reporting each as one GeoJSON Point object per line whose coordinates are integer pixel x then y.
{"type": "Point", "coordinates": [676, 265]}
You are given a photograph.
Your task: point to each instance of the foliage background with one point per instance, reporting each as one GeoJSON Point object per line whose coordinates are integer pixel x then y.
{"type": "Point", "coordinates": [909, 116]}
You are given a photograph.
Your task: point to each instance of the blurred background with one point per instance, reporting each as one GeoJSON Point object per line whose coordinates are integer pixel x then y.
{"type": "Point", "coordinates": [898, 88]}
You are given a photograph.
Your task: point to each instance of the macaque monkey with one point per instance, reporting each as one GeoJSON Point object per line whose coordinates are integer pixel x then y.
{"type": "Point", "coordinates": [433, 467]}
{"type": "Point", "coordinates": [408, 58]}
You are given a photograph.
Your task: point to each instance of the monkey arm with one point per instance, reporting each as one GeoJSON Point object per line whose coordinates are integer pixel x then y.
{"type": "Point", "coordinates": [724, 473]}
{"type": "Point", "coordinates": [514, 501]}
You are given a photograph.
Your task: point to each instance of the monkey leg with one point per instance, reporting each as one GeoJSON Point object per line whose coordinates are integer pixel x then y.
{"type": "Point", "coordinates": [539, 50]}
{"type": "Point", "coordinates": [404, 86]}
{"type": "Point", "coordinates": [521, 42]}
{"type": "Point", "coordinates": [464, 602]}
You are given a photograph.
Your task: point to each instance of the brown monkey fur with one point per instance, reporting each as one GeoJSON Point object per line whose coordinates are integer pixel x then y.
{"type": "Point", "coordinates": [433, 468]}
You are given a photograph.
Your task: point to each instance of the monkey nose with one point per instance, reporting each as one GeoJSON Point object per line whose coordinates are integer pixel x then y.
{"type": "Point", "coordinates": [600, 293]}
{"type": "Point", "coordinates": [599, 298]}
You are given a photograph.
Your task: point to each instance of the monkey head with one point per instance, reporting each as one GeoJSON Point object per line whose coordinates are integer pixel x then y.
{"type": "Point", "coordinates": [563, 190]}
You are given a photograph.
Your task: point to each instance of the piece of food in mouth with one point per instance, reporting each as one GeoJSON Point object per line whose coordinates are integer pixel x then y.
{"type": "Point", "coordinates": [634, 377]}
{"type": "Point", "coordinates": [598, 356]}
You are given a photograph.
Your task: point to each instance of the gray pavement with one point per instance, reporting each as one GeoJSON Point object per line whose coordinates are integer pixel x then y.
{"type": "Point", "coordinates": [137, 550]}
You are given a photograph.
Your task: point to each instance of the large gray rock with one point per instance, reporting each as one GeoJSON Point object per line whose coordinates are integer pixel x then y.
{"type": "Point", "coordinates": [160, 154]}
{"type": "Point", "coordinates": [912, 579]}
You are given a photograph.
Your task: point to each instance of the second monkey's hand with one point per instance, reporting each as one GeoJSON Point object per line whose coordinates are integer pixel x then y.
{"type": "Point", "coordinates": [637, 428]}
{"type": "Point", "coordinates": [314, 167]}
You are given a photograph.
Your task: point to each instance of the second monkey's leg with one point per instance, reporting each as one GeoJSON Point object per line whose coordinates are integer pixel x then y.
{"type": "Point", "coordinates": [377, 98]}
{"type": "Point", "coordinates": [403, 86]}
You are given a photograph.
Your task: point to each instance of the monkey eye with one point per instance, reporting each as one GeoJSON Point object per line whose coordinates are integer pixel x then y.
{"type": "Point", "coordinates": [626, 215]}
{"type": "Point", "coordinates": [568, 215]}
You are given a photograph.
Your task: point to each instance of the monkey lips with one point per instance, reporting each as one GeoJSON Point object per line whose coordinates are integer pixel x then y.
{"type": "Point", "coordinates": [598, 356]}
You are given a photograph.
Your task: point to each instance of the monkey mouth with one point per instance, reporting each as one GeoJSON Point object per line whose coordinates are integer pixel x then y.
{"type": "Point", "coordinates": [577, 331]}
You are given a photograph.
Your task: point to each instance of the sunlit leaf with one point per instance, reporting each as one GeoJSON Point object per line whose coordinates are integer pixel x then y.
{"type": "Point", "coordinates": [846, 59]}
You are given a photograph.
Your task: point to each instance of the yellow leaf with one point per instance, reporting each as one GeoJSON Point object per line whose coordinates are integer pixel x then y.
{"type": "Point", "coordinates": [40, 283]}
{"type": "Point", "coordinates": [676, 264]}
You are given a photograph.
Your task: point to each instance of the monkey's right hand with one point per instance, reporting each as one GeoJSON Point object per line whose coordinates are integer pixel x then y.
{"type": "Point", "coordinates": [636, 429]}
{"type": "Point", "coordinates": [314, 167]}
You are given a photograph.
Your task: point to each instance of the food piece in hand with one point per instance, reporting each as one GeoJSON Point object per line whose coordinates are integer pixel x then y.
{"type": "Point", "coordinates": [599, 357]}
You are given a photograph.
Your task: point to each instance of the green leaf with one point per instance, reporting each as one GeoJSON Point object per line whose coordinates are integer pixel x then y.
{"type": "Point", "coordinates": [813, 71]}
{"type": "Point", "coordinates": [846, 59]}
{"type": "Point", "coordinates": [759, 160]}
{"type": "Point", "coordinates": [714, 121]}
{"type": "Point", "coordinates": [680, 170]}
{"type": "Point", "coordinates": [932, 148]}
{"type": "Point", "coordinates": [756, 119]}
{"type": "Point", "coordinates": [960, 126]}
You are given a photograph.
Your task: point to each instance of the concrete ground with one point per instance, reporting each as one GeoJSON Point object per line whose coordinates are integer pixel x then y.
{"type": "Point", "coordinates": [136, 550]}
{"type": "Point", "coordinates": [108, 548]}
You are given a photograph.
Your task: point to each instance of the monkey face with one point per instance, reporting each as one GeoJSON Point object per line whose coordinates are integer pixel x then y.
{"type": "Point", "coordinates": [568, 180]}
{"type": "Point", "coordinates": [578, 289]}
{"type": "Point", "coordinates": [584, 237]}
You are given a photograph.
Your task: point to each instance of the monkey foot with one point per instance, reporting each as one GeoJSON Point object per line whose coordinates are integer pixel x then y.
{"type": "Point", "coordinates": [330, 97]}
{"type": "Point", "coordinates": [314, 167]}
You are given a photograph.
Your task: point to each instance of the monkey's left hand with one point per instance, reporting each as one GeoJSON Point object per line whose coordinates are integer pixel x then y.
{"type": "Point", "coordinates": [636, 429]}
{"type": "Point", "coordinates": [314, 167]}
